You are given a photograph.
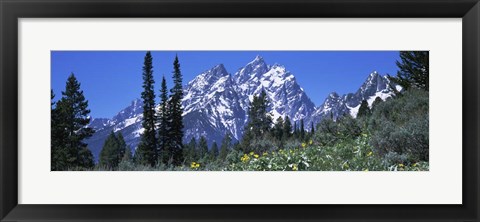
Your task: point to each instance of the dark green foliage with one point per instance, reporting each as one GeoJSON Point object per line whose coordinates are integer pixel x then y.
{"type": "Point", "coordinates": [287, 128]}
{"type": "Point", "coordinates": [278, 129]}
{"type": "Point", "coordinates": [363, 111]}
{"type": "Point", "coordinates": [146, 151]}
{"type": "Point", "coordinates": [175, 115]}
{"type": "Point", "coordinates": [213, 152]}
{"type": "Point", "coordinates": [330, 132]}
{"type": "Point", "coordinates": [202, 148]}
{"type": "Point", "coordinates": [225, 147]}
{"type": "Point", "coordinates": [259, 121]}
{"type": "Point", "coordinates": [295, 130]}
{"type": "Point", "coordinates": [58, 135]}
{"type": "Point", "coordinates": [375, 103]}
{"type": "Point", "coordinates": [413, 70]}
{"type": "Point", "coordinates": [163, 125]}
{"type": "Point", "coordinates": [113, 151]}
{"type": "Point", "coordinates": [312, 129]}
{"type": "Point", "coordinates": [302, 130]}
{"type": "Point", "coordinates": [190, 151]}
{"type": "Point", "coordinates": [70, 118]}
{"type": "Point", "coordinates": [401, 126]}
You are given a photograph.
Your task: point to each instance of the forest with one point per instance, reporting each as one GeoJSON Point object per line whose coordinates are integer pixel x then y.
{"type": "Point", "coordinates": [390, 135]}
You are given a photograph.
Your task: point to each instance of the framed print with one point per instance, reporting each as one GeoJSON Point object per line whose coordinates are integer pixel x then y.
{"type": "Point", "coordinates": [267, 110]}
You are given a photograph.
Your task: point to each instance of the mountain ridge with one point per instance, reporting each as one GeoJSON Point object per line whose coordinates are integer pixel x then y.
{"type": "Point", "coordinates": [216, 103]}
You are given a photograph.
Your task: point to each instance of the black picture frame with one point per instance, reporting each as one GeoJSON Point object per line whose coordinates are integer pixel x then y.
{"type": "Point", "coordinates": [12, 10]}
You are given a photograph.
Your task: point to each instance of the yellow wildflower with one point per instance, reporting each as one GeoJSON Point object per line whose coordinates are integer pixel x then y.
{"type": "Point", "coordinates": [400, 165]}
{"type": "Point", "coordinates": [264, 154]}
{"type": "Point", "coordinates": [370, 153]}
{"type": "Point", "coordinates": [310, 142]}
{"type": "Point", "coordinates": [251, 153]}
{"type": "Point", "coordinates": [415, 164]}
{"type": "Point", "coordinates": [304, 144]}
{"type": "Point", "coordinates": [294, 168]}
{"type": "Point", "coordinates": [255, 155]}
{"type": "Point", "coordinates": [194, 165]}
{"type": "Point", "coordinates": [245, 158]}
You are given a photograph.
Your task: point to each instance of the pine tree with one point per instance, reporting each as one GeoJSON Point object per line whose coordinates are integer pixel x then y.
{"type": "Point", "coordinates": [214, 151]}
{"type": "Point", "coordinates": [312, 129]}
{"type": "Point", "coordinates": [124, 151]}
{"type": "Point", "coordinates": [363, 110]}
{"type": "Point", "coordinates": [302, 130]}
{"type": "Point", "coordinates": [113, 151]}
{"type": "Point", "coordinates": [376, 102]}
{"type": "Point", "coordinates": [278, 129]}
{"type": "Point", "coordinates": [259, 121]}
{"type": "Point", "coordinates": [191, 151]}
{"type": "Point", "coordinates": [146, 151]}
{"type": "Point", "coordinates": [287, 127]}
{"type": "Point", "coordinates": [413, 70]}
{"type": "Point", "coordinates": [163, 125]}
{"type": "Point", "coordinates": [203, 148]}
{"type": "Point", "coordinates": [58, 136]}
{"type": "Point", "coordinates": [225, 147]}
{"type": "Point", "coordinates": [295, 130]}
{"type": "Point", "coordinates": [72, 118]}
{"type": "Point", "coordinates": [175, 115]}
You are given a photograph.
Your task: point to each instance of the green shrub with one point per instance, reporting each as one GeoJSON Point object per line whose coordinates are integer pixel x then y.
{"type": "Point", "coordinates": [401, 126]}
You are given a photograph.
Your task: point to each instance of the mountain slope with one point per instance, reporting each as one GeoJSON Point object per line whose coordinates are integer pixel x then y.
{"type": "Point", "coordinates": [216, 103]}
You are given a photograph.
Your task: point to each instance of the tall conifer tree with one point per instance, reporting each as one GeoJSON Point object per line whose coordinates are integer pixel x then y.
{"type": "Point", "coordinates": [302, 130]}
{"type": "Point", "coordinates": [203, 147]}
{"type": "Point", "coordinates": [175, 114]}
{"type": "Point", "coordinates": [287, 127]}
{"type": "Point", "coordinates": [72, 118]}
{"type": "Point", "coordinates": [163, 125]}
{"type": "Point", "coordinates": [146, 151]}
{"type": "Point", "coordinates": [413, 70]}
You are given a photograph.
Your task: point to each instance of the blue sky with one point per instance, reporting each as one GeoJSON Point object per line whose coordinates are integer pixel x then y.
{"type": "Point", "coordinates": [112, 79]}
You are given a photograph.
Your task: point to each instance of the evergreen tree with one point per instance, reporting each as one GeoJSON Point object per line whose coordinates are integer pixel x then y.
{"type": "Point", "coordinates": [377, 101]}
{"type": "Point", "coordinates": [191, 151]}
{"type": "Point", "coordinates": [295, 130]}
{"type": "Point", "coordinates": [175, 115]}
{"type": "Point", "coordinates": [124, 152]}
{"type": "Point", "coordinates": [312, 129]}
{"type": "Point", "coordinates": [163, 125]}
{"type": "Point", "coordinates": [113, 151]}
{"type": "Point", "coordinates": [225, 147]}
{"type": "Point", "coordinates": [413, 70]}
{"type": "Point", "coordinates": [203, 147]}
{"type": "Point", "coordinates": [363, 110]}
{"type": "Point", "coordinates": [278, 129]}
{"type": "Point", "coordinates": [71, 118]}
{"type": "Point", "coordinates": [58, 135]}
{"type": "Point", "coordinates": [259, 121]}
{"type": "Point", "coordinates": [287, 127]}
{"type": "Point", "coordinates": [302, 130]}
{"type": "Point", "coordinates": [146, 151]}
{"type": "Point", "coordinates": [214, 151]}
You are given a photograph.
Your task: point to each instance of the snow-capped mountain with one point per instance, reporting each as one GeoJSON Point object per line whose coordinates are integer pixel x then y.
{"type": "Point", "coordinates": [216, 102]}
{"type": "Point", "coordinates": [128, 122]}
{"type": "Point", "coordinates": [374, 86]}
{"type": "Point", "coordinates": [285, 95]}
{"type": "Point", "coordinates": [212, 106]}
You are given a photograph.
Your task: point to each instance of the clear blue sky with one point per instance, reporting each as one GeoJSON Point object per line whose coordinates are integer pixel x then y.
{"type": "Point", "coordinates": [112, 79]}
